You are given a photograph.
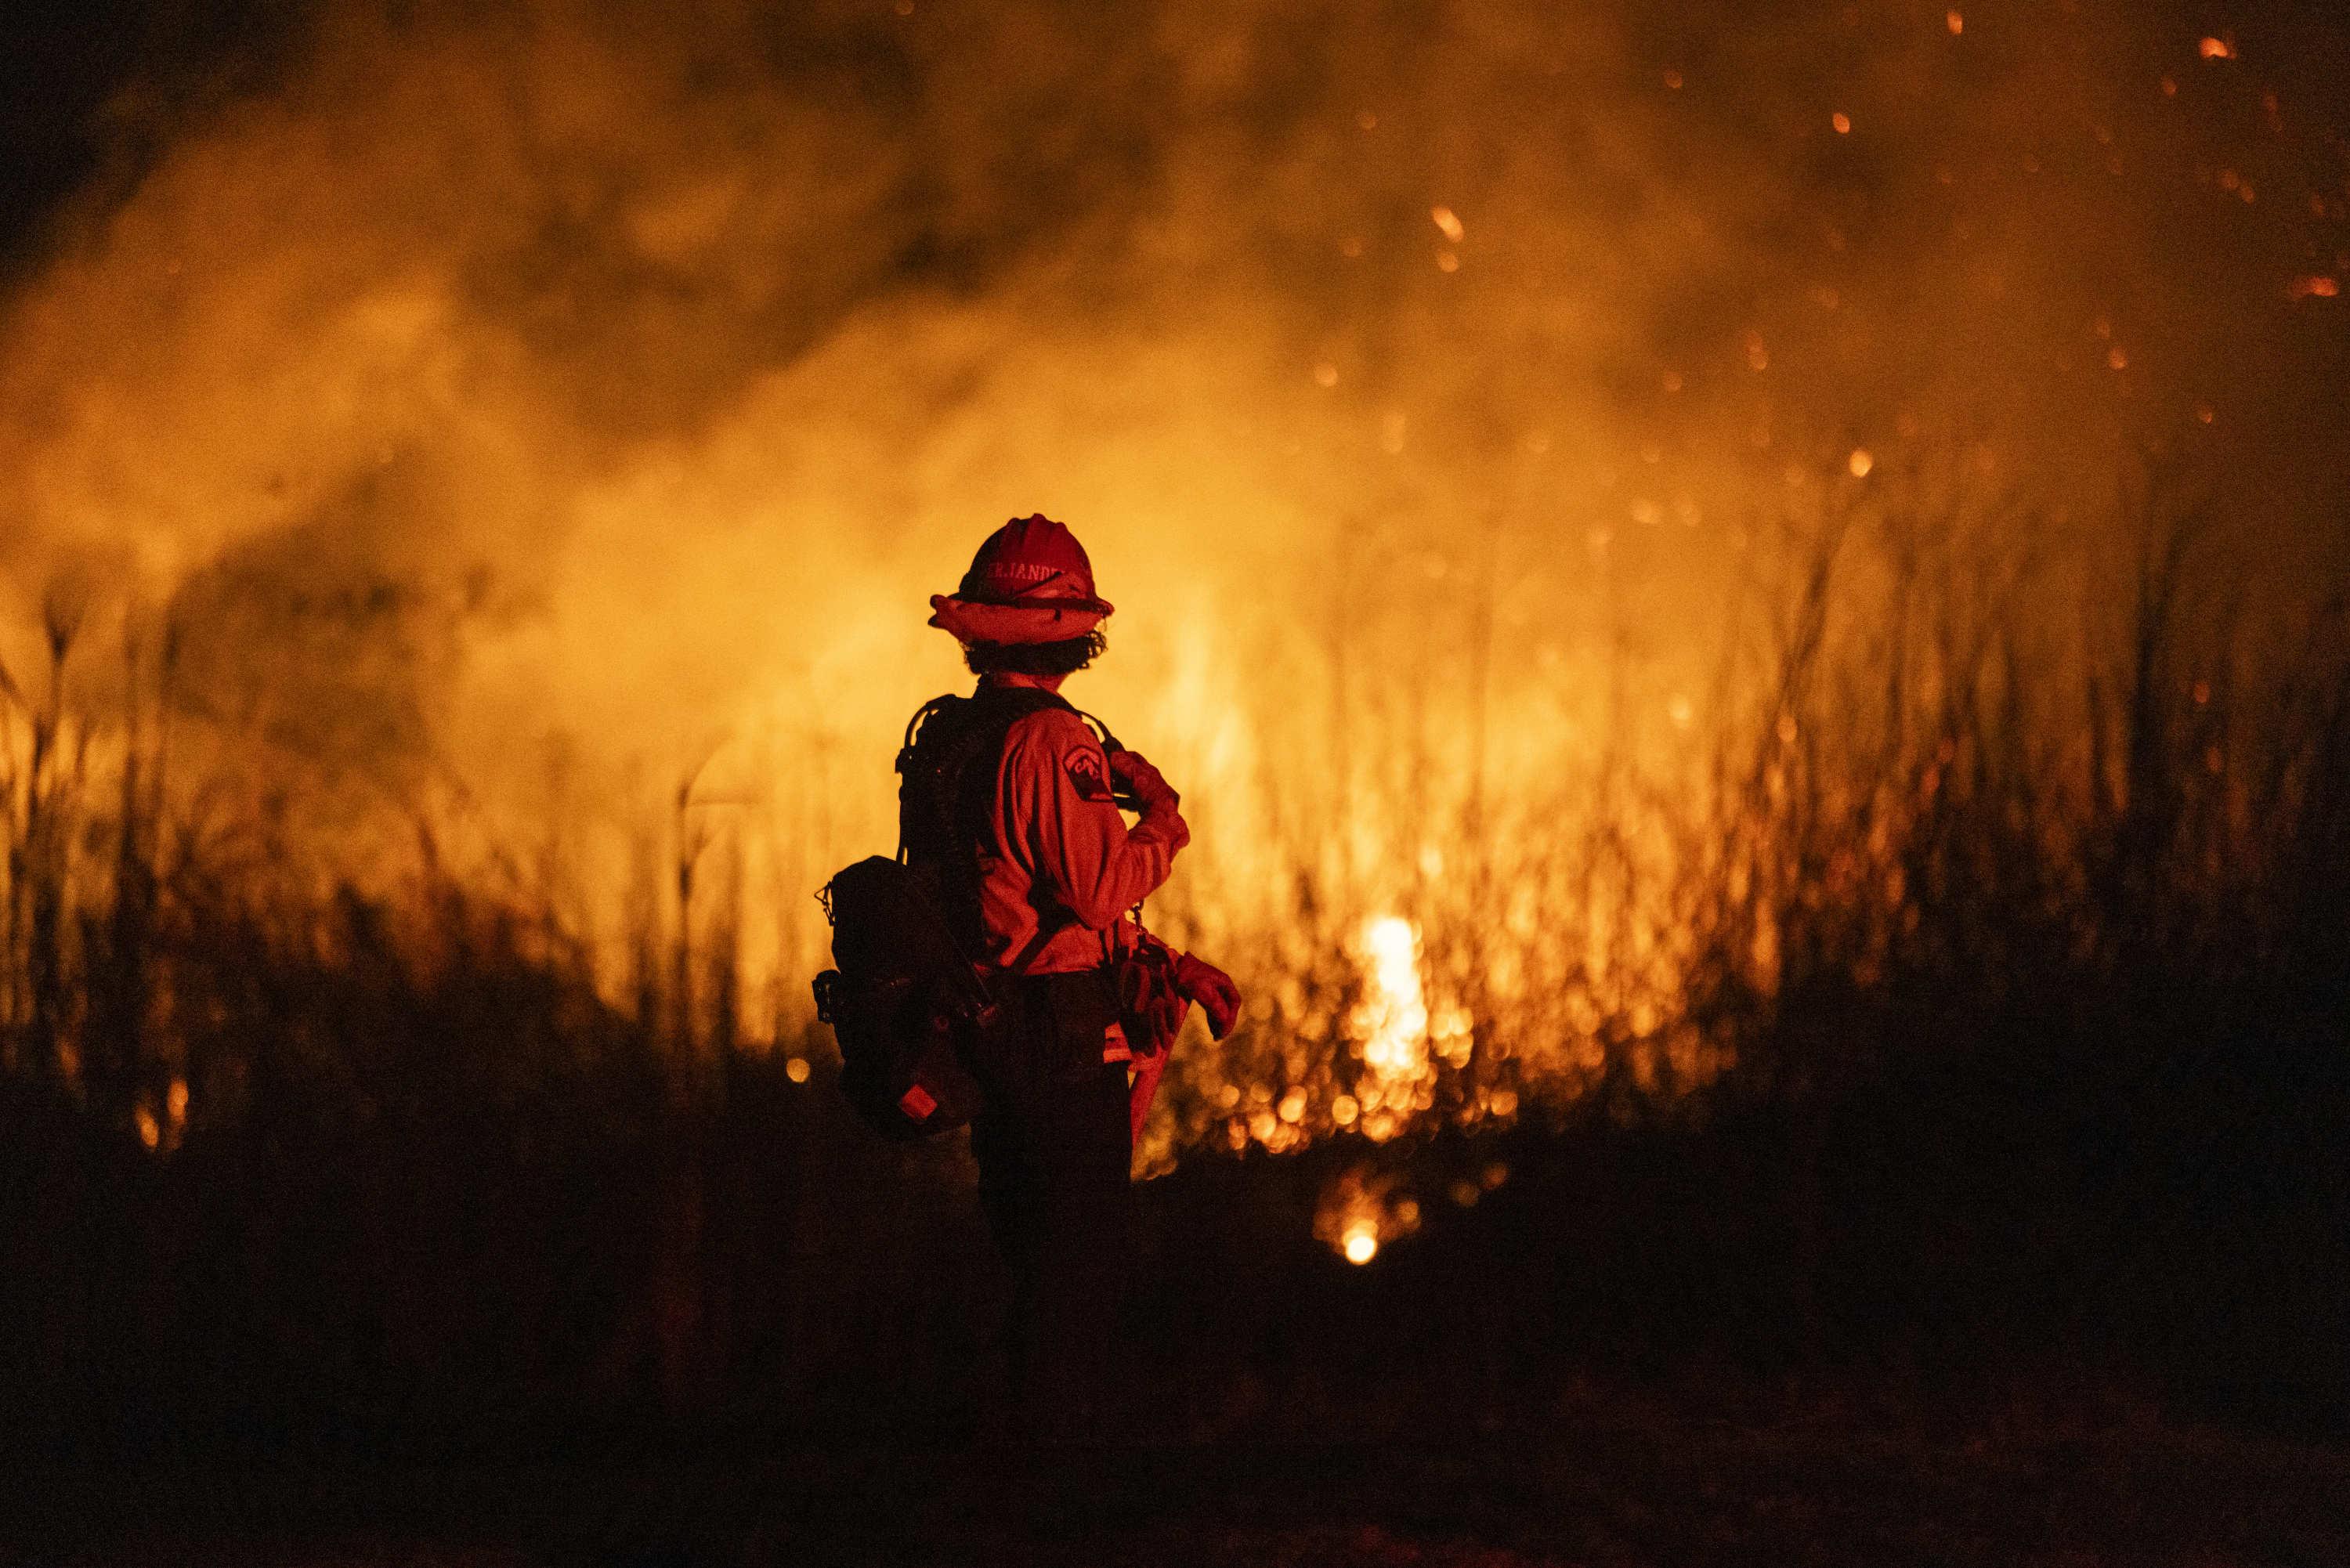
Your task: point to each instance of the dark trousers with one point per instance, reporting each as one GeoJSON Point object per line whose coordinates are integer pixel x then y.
{"type": "Point", "coordinates": [1054, 1148]}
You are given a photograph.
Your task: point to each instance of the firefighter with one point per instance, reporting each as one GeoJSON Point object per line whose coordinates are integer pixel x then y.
{"type": "Point", "coordinates": [1045, 868]}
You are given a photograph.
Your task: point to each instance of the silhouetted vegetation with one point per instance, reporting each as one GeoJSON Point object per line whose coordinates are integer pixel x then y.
{"type": "Point", "coordinates": [2011, 1046]}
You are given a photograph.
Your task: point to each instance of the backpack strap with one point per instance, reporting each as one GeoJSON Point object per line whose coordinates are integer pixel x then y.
{"type": "Point", "coordinates": [943, 801]}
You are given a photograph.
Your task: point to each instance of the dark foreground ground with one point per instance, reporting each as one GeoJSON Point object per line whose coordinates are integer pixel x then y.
{"type": "Point", "coordinates": [1610, 1479]}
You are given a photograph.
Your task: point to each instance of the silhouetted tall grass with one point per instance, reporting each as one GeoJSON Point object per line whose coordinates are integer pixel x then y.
{"type": "Point", "coordinates": [1986, 1000]}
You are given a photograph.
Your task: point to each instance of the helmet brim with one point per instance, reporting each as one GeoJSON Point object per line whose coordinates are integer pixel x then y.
{"type": "Point", "coordinates": [974, 620]}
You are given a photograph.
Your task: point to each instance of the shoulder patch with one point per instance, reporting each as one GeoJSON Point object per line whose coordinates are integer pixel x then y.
{"type": "Point", "coordinates": [1088, 773]}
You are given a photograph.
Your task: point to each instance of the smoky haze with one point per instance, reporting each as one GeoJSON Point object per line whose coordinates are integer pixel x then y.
{"type": "Point", "coordinates": [512, 417]}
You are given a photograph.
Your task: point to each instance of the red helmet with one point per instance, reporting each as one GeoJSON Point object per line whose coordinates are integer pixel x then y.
{"type": "Point", "coordinates": [1029, 582]}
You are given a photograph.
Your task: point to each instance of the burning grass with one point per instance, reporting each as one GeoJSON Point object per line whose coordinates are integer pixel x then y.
{"type": "Point", "coordinates": [1947, 984]}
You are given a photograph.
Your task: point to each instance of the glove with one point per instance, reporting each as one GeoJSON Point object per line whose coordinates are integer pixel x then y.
{"type": "Point", "coordinates": [1212, 989]}
{"type": "Point", "coordinates": [1131, 774]}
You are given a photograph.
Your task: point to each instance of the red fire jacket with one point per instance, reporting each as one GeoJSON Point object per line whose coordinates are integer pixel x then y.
{"type": "Point", "coordinates": [1059, 854]}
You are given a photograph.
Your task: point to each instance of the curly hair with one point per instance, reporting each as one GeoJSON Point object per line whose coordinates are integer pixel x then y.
{"type": "Point", "coordinates": [1064, 657]}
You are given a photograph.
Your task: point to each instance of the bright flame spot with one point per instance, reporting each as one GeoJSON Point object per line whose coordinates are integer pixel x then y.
{"type": "Point", "coordinates": [2216, 49]}
{"type": "Point", "coordinates": [150, 1131]}
{"type": "Point", "coordinates": [1448, 222]}
{"type": "Point", "coordinates": [1860, 462]}
{"type": "Point", "coordinates": [1395, 1013]}
{"type": "Point", "coordinates": [1362, 1242]}
{"type": "Point", "coordinates": [1956, 23]}
{"type": "Point", "coordinates": [797, 1069]}
{"type": "Point", "coordinates": [2322, 287]}
{"type": "Point", "coordinates": [176, 1103]}
{"type": "Point", "coordinates": [1344, 1110]}
{"type": "Point", "coordinates": [1292, 1106]}
{"type": "Point", "coordinates": [1505, 1102]}
{"type": "Point", "coordinates": [1843, 123]}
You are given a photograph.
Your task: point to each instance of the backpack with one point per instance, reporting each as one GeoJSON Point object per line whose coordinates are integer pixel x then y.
{"type": "Point", "coordinates": [909, 997]}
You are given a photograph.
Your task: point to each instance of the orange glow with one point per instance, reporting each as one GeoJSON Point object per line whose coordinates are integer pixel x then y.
{"type": "Point", "coordinates": [1360, 1212]}
{"type": "Point", "coordinates": [2216, 49]}
{"type": "Point", "coordinates": [549, 447]}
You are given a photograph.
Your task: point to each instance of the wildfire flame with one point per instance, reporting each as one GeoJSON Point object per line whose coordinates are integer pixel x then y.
{"type": "Point", "coordinates": [518, 457]}
{"type": "Point", "coordinates": [1361, 1212]}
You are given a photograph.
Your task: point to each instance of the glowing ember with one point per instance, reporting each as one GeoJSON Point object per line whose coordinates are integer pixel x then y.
{"type": "Point", "coordinates": [1359, 1213]}
{"type": "Point", "coordinates": [797, 1069]}
{"type": "Point", "coordinates": [1860, 462]}
{"type": "Point", "coordinates": [1449, 223]}
{"type": "Point", "coordinates": [1843, 123]}
{"type": "Point", "coordinates": [1956, 23]}
{"type": "Point", "coordinates": [2216, 49]}
{"type": "Point", "coordinates": [2314, 287]}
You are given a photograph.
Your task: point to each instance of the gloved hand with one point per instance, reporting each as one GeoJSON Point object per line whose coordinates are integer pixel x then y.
{"type": "Point", "coordinates": [1131, 774]}
{"type": "Point", "coordinates": [1212, 989]}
